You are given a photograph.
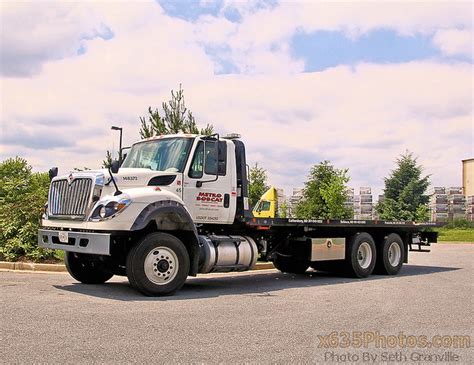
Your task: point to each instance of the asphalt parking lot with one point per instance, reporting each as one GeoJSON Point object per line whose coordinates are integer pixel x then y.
{"type": "Point", "coordinates": [256, 317]}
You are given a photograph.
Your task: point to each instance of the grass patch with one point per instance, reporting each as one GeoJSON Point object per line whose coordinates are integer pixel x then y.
{"type": "Point", "coordinates": [456, 234]}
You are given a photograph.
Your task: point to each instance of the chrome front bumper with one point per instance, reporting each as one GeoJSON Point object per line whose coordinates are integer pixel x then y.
{"type": "Point", "coordinates": [82, 242]}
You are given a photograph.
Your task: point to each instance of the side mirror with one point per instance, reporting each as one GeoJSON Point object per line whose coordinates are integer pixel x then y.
{"type": "Point", "coordinates": [211, 159]}
{"type": "Point", "coordinates": [53, 172]}
{"type": "Point", "coordinates": [114, 166]}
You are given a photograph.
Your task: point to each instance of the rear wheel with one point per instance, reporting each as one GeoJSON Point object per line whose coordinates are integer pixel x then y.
{"type": "Point", "coordinates": [360, 255]}
{"type": "Point", "coordinates": [390, 255]}
{"type": "Point", "coordinates": [86, 268]}
{"type": "Point", "coordinates": [158, 264]}
{"type": "Point", "coordinates": [290, 264]}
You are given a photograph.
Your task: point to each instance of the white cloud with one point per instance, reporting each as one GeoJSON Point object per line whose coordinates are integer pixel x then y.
{"type": "Point", "coordinates": [406, 17]}
{"type": "Point", "coordinates": [361, 118]}
{"type": "Point", "coordinates": [34, 33]}
{"type": "Point", "coordinates": [260, 42]}
{"type": "Point", "coordinates": [454, 42]}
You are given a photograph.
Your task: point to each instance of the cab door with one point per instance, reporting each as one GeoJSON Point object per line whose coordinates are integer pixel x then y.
{"type": "Point", "coordinates": [209, 189]}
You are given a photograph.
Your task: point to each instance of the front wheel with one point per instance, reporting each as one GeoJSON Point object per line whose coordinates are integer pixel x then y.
{"type": "Point", "coordinates": [86, 268]}
{"type": "Point", "coordinates": [158, 264]}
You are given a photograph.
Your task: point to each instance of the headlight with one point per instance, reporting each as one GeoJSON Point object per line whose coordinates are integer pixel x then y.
{"type": "Point", "coordinates": [106, 209]}
{"type": "Point", "coordinates": [103, 211]}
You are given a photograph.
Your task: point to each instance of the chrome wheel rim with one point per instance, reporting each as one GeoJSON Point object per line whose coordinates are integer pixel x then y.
{"type": "Point", "coordinates": [364, 255]}
{"type": "Point", "coordinates": [394, 254]}
{"type": "Point", "coordinates": [161, 265]}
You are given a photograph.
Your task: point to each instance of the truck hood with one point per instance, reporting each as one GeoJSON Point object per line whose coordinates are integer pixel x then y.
{"type": "Point", "coordinates": [132, 177]}
{"type": "Point", "coordinates": [128, 177]}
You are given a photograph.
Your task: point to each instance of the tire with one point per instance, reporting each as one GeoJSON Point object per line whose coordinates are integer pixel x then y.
{"type": "Point", "coordinates": [390, 255]}
{"type": "Point", "coordinates": [290, 264]}
{"type": "Point", "coordinates": [86, 269]}
{"type": "Point", "coordinates": [158, 265]}
{"type": "Point", "coordinates": [360, 255]}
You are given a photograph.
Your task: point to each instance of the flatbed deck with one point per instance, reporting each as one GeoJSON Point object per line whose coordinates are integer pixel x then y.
{"type": "Point", "coordinates": [331, 223]}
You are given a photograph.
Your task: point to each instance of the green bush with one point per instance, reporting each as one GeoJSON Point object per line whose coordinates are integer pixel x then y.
{"type": "Point", "coordinates": [460, 223]}
{"type": "Point", "coordinates": [22, 198]}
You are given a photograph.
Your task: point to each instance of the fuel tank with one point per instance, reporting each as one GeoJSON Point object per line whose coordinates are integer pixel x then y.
{"type": "Point", "coordinates": [226, 253]}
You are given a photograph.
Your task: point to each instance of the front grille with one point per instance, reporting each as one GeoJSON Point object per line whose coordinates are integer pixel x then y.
{"type": "Point", "coordinates": [69, 199]}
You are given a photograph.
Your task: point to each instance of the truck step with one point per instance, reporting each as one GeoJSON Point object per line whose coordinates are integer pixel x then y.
{"type": "Point", "coordinates": [224, 268]}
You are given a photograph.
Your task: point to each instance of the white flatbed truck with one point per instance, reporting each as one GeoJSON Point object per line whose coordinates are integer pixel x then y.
{"type": "Point", "coordinates": [178, 206]}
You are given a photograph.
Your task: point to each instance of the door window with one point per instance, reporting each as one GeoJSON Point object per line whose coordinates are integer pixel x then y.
{"type": "Point", "coordinates": [211, 164]}
{"type": "Point", "coordinates": [196, 169]}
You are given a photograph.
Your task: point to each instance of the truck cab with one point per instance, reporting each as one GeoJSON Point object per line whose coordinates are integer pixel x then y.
{"type": "Point", "coordinates": [267, 206]}
{"type": "Point", "coordinates": [199, 171]}
{"type": "Point", "coordinates": [169, 184]}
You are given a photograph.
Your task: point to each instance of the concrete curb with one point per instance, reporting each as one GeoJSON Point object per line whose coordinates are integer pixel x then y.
{"type": "Point", "coordinates": [455, 242]}
{"type": "Point", "coordinates": [30, 266]}
{"type": "Point", "coordinates": [263, 266]}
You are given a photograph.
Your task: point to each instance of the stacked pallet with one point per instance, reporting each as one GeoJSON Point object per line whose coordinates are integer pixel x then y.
{"type": "Point", "coordinates": [470, 208]}
{"type": "Point", "coordinates": [456, 203]}
{"type": "Point", "coordinates": [293, 201]}
{"type": "Point", "coordinates": [282, 205]}
{"type": "Point", "coordinates": [349, 203]}
{"type": "Point", "coordinates": [438, 204]}
{"type": "Point", "coordinates": [356, 206]}
{"type": "Point", "coordinates": [366, 208]}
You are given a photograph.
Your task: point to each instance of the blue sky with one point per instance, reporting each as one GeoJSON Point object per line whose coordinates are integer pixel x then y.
{"type": "Point", "coordinates": [352, 82]}
{"type": "Point", "coordinates": [192, 10]}
{"type": "Point", "coordinates": [320, 49]}
{"type": "Point", "coordinates": [324, 49]}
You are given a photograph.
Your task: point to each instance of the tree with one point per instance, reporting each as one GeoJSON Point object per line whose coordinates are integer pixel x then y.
{"type": "Point", "coordinates": [175, 118]}
{"type": "Point", "coordinates": [325, 193]}
{"type": "Point", "coordinates": [108, 160]}
{"type": "Point", "coordinates": [257, 184]}
{"type": "Point", "coordinates": [405, 189]}
{"type": "Point", "coordinates": [22, 197]}
{"type": "Point", "coordinates": [283, 210]}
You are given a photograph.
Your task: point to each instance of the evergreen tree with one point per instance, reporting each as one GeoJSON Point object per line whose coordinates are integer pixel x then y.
{"type": "Point", "coordinates": [108, 160]}
{"type": "Point", "coordinates": [405, 189]}
{"type": "Point", "coordinates": [174, 118]}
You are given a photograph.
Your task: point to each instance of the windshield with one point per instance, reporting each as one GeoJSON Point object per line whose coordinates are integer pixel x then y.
{"type": "Point", "coordinates": [263, 205]}
{"type": "Point", "coordinates": [168, 154]}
